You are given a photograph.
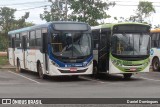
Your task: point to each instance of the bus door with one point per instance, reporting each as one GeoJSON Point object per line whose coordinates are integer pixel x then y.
{"type": "Point", "coordinates": [95, 34]}
{"type": "Point", "coordinates": [103, 51]}
{"type": "Point", "coordinates": [24, 51]}
{"type": "Point", "coordinates": [45, 48]}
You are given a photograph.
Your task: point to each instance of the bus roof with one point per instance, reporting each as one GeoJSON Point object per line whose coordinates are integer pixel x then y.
{"type": "Point", "coordinates": [41, 26]}
{"type": "Point", "coordinates": [155, 30]}
{"type": "Point", "coordinates": [110, 25]}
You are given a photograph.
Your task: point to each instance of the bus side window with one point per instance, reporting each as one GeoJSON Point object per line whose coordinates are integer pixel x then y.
{"type": "Point", "coordinates": [153, 40]}
{"type": "Point", "coordinates": [158, 40]}
{"type": "Point", "coordinates": [27, 40]}
{"type": "Point", "coordinates": [32, 38]}
{"type": "Point", "coordinates": [38, 38]}
{"type": "Point", "coordinates": [23, 40]}
{"type": "Point", "coordinates": [17, 41]}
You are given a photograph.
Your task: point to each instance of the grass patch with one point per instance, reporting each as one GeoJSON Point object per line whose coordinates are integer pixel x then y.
{"type": "Point", "coordinates": [3, 60]}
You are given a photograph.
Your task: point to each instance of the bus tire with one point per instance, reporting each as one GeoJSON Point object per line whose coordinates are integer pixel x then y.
{"type": "Point", "coordinates": [19, 66]}
{"type": "Point", "coordinates": [127, 76]}
{"type": "Point", "coordinates": [155, 64]}
{"type": "Point", "coordinates": [40, 71]}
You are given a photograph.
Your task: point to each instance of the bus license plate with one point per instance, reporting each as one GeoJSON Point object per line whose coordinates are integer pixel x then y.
{"type": "Point", "coordinates": [133, 69]}
{"type": "Point", "coordinates": [73, 69]}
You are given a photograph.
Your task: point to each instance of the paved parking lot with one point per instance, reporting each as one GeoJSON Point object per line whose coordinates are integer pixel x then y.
{"type": "Point", "coordinates": [28, 85]}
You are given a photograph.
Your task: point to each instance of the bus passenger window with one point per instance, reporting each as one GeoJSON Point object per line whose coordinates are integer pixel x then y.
{"type": "Point", "coordinates": [38, 38]}
{"type": "Point", "coordinates": [17, 41]}
{"type": "Point", "coordinates": [155, 40]}
{"type": "Point", "coordinates": [32, 39]}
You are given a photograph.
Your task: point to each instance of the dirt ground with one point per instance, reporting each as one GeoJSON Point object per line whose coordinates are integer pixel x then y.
{"type": "Point", "coordinates": [3, 53]}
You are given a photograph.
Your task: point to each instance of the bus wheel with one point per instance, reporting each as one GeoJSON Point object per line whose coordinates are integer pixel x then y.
{"type": "Point", "coordinates": [155, 64]}
{"type": "Point", "coordinates": [18, 66]}
{"type": "Point", "coordinates": [127, 76]}
{"type": "Point", "coordinates": [40, 72]}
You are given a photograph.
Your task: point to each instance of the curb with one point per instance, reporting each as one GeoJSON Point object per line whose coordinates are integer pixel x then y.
{"type": "Point", "coordinates": [7, 67]}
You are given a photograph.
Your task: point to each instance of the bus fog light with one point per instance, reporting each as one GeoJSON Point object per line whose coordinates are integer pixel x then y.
{"type": "Point", "coordinates": [47, 72]}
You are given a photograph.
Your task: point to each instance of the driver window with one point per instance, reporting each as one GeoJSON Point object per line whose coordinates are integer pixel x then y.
{"type": "Point", "coordinates": [56, 42]}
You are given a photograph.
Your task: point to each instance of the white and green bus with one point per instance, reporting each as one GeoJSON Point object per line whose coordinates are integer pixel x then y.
{"type": "Point", "coordinates": [122, 48]}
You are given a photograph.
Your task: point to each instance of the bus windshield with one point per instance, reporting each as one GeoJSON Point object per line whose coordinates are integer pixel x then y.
{"type": "Point", "coordinates": [130, 44]}
{"type": "Point", "coordinates": [71, 44]}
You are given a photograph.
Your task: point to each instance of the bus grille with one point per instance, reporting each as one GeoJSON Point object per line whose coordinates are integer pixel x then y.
{"type": "Point", "coordinates": [129, 70]}
{"type": "Point", "coordinates": [68, 71]}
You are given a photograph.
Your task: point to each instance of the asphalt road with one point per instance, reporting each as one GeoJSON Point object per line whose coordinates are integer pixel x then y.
{"type": "Point", "coordinates": [28, 85]}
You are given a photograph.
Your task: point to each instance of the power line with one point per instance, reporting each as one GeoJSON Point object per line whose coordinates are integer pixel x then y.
{"type": "Point", "coordinates": [24, 3]}
{"type": "Point", "coordinates": [131, 1]}
{"type": "Point", "coordinates": [131, 5]}
{"type": "Point", "coordinates": [49, 5]}
{"type": "Point", "coordinates": [33, 8]}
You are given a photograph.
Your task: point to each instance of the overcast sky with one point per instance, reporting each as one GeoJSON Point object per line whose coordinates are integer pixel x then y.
{"type": "Point", "coordinates": [116, 11]}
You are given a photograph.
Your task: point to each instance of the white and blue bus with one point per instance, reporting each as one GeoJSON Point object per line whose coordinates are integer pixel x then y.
{"type": "Point", "coordinates": [54, 49]}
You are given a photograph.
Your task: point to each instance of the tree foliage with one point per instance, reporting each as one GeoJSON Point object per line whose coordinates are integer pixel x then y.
{"type": "Point", "coordinates": [6, 18]}
{"type": "Point", "coordinates": [55, 13]}
{"type": "Point", "coordinates": [8, 22]}
{"type": "Point", "coordinates": [144, 10]}
{"type": "Point", "coordinates": [89, 11]}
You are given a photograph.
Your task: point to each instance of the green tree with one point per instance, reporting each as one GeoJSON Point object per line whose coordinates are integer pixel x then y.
{"type": "Point", "coordinates": [6, 19]}
{"type": "Point", "coordinates": [144, 10]}
{"type": "Point", "coordinates": [8, 22]}
{"type": "Point", "coordinates": [89, 11]}
{"type": "Point", "coordinates": [55, 13]}
{"type": "Point", "coordinates": [156, 26]}
{"type": "Point", "coordinates": [20, 23]}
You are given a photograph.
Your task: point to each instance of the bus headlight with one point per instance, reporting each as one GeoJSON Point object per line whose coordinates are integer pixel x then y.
{"type": "Point", "coordinates": [89, 63]}
{"type": "Point", "coordinates": [145, 64]}
{"type": "Point", "coordinates": [117, 62]}
{"type": "Point", "coordinates": [114, 61]}
{"type": "Point", "coordinates": [86, 63]}
{"type": "Point", "coordinates": [54, 64]}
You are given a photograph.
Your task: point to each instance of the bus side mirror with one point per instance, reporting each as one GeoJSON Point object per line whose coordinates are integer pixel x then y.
{"type": "Point", "coordinates": [44, 43]}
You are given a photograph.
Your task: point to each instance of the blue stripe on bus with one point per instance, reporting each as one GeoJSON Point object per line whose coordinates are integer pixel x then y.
{"type": "Point", "coordinates": [61, 64]}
